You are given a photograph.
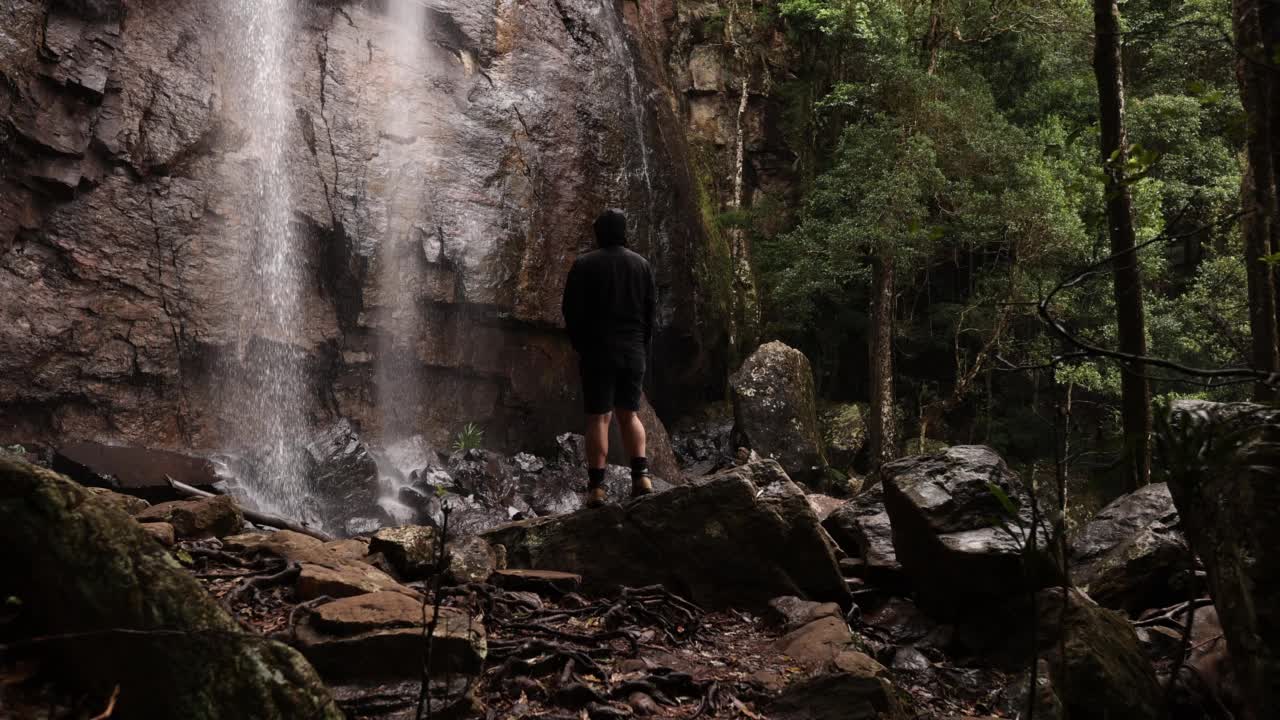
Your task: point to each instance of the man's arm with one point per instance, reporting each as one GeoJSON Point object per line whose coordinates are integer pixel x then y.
{"type": "Point", "coordinates": [571, 306]}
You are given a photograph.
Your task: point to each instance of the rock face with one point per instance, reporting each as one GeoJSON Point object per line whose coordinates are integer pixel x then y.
{"type": "Point", "coordinates": [946, 529]}
{"type": "Point", "coordinates": [87, 567]}
{"type": "Point", "coordinates": [1131, 556]}
{"type": "Point", "coordinates": [1228, 512]}
{"type": "Point", "coordinates": [738, 538]}
{"type": "Point", "coordinates": [775, 413]}
{"type": "Point", "coordinates": [124, 189]}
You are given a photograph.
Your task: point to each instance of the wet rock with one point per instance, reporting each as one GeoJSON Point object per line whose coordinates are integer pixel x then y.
{"type": "Point", "coordinates": [1101, 671]}
{"type": "Point", "coordinates": [844, 432]}
{"type": "Point", "coordinates": [362, 525]}
{"type": "Point", "coordinates": [471, 560]}
{"type": "Point", "coordinates": [775, 413]}
{"type": "Point", "coordinates": [141, 471]}
{"type": "Point", "coordinates": [163, 532]}
{"type": "Point", "coordinates": [948, 534]}
{"type": "Point", "coordinates": [701, 440]}
{"type": "Point", "coordinates": [216, 516]}
{"type": "Point", "coordinates": [343, 476]}
{"type": "Point", "coordinates": [901, 622]}
{"type": "Point", "coordinates": [378, 636]}
{"type": "Point", "coordinates": [861, 528]}
{"type": "Point", "coordinates": [1048, 705]}
{"type": "Point", "coordinates": [910, 659]}
{"type": "Point", "coordinates": [839, 696]}
{"type": "Point", "coordinates": [739, 538]}
{"type": "Point", "coordinates": [127, 503]}
{"type": "Point", "coordinates": [410, 549]}
{"type": "Point", "coordinates": [790, 612]}
{"type": "Point", "coordinates": [1229, 516]}
{"type": "Point", "coordinates": [526, 463]}
{"type": "Point", "coordinates": [1131, 555]}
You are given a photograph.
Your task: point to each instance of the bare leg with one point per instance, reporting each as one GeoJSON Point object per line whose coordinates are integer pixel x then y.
{"type": "Point", "coordinates": [598, 440]}
{"type": "Point", "coordinates": [633, 439]}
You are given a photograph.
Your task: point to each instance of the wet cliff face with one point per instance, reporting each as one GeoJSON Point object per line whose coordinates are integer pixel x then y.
{"type": "Point", "coordinates": [439, 199]}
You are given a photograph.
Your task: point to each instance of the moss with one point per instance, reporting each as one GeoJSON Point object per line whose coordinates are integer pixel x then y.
{"type": "Point", "coordinates": [93, 568]}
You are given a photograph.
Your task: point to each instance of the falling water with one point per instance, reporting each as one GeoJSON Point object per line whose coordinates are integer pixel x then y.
{"type": "Point", "coordinates": [405, 156]}
{"type": "Point", "coordinates": [402, 160]}
{"type": "Point", "coordinates": [626, 59]}
{"type": "Point", "coordinates": [269, 360]}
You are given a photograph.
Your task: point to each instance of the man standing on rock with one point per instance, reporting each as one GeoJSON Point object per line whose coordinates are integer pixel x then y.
{"type": "Point", "coordinates": [610, 301]}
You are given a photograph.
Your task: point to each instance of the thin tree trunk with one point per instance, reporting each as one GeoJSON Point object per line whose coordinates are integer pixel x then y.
{"type": "Point", "coordinates": [1135, 389]}
{"type": "Point", "coordinates": [1258, 189]}
{"type": "Point", "coordinates": [881, 427]}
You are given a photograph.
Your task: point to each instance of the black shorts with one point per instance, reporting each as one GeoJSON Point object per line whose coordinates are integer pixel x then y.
{"type": "Point", "coordinates": [611, 382]}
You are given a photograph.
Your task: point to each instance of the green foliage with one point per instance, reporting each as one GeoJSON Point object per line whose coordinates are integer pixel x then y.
{"type": "Point", "coordinates": [471, 437]}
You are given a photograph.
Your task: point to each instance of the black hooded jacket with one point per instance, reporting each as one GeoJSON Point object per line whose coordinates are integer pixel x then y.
{"type": "Point", "coordinates": [610, 303]}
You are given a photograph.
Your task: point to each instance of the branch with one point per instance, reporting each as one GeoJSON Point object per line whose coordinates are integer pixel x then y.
{"type": "Point", "coordinates": [1088, 349]}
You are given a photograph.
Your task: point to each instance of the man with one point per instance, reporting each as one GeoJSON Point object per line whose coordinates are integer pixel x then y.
{"type": "Point", "coordinates": [610, 301]}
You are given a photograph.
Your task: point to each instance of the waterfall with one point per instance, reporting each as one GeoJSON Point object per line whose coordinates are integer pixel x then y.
{"type": "Point", "coordinates": [405, 158]}
{"type": "Point", "coordinates": [269, 359]}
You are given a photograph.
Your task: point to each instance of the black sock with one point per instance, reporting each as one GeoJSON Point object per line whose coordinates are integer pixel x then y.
{"type": "Point", "coordinates": [639, 467]}
{"type": "Point", "coordinates": [595, 477]}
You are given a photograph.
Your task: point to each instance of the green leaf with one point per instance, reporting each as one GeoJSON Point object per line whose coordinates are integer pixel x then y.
{"type": "Point", "coordinates": [1006, 503]}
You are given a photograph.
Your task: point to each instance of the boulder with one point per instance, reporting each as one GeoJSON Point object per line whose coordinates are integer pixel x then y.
{"type": "Point", "coordinates": [740, 538]}
{"type": "Point", "coordinates": [471, 560]}
{"type": "Point", "coordinates": [775, 414]}
{"type": "Point", "coordinates": [379, 637]}
{"type": "Point", "coordinates": [1131, 556]}
{"type": "Point", "coordinates": [844, 432]}
{"type": "Point", "coordinates": [862, 529]}
{"type": "Point", "coordinates": [411, 549]}
{"type": "Point", "coordinates": [87, 569]}
{"type": "Point", "coordinates": [1228, 511]}
{"type": "Point", "coordinates": [1098, 668]}
{"type": "Point", "coordinates": [342, 475]}
{"type": "Point", "coordinates": [954, 536]}
{"type": "Point", "coordinates": [216, 516]}
{"type": "Point", "coordinates": [839, 696]}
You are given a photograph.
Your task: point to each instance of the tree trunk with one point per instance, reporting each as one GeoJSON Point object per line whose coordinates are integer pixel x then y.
{"type": "Point", "coordinates": [1258, 189]}
{"type": "Point", "coordinates": [881, 425]}
{"type": "Point", "coordinates": [1135, 389]}
{"type": "Point", "coordinates": [131, 617]}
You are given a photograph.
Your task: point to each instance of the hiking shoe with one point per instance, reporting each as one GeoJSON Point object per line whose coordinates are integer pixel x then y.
{"type": "Point", "coordinates": [641, 485]}
{"type": "Point", "coordinates": [596, 496]}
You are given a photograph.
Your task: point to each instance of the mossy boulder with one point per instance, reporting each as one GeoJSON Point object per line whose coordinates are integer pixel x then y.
{"type": "Point", "coordinates": [86, 568]}
{"type": "Point", "coordinates": [775, 412]}
{"type": "Point", "coordinates": [844, 432]}
{"type": "Point", "coordinates": [1099, 669]}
